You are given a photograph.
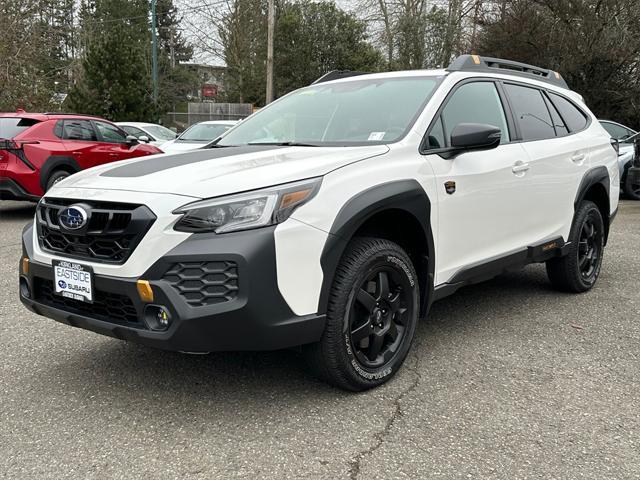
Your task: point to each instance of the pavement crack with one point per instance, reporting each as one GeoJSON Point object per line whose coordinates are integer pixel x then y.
{"type": "Point", "coordinates": [356, 462]}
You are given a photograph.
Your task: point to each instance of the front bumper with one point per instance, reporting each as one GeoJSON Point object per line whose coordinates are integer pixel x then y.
{"type": "Point", "coordinates": [251, 315]}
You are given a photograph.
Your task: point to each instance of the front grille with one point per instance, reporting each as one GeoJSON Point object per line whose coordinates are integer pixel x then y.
{"type": "Point", "coordinates": [109, 307]}
{"type": "Point", "coordinates": [204, 283]}
{"type": "Point", "coordinates": [110, 236]}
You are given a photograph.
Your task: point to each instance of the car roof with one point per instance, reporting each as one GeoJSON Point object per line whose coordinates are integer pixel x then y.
{"type": "Point", "coordinates": [138, 124]}
{"type": "Point", "coordinates": [47, 116]}
{"type": "Point", "coordinates": [217, 122]}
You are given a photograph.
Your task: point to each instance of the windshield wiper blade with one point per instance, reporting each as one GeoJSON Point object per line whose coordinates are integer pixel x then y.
{"type": "Point", "coordinates": [285, 144]}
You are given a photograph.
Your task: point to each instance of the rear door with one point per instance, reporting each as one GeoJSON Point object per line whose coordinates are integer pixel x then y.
{"type": "Point", "coordinates": [558, 156]}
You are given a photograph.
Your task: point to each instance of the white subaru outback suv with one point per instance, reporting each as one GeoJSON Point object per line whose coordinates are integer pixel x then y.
{"type": "Point", "coordinates": [333, 218]}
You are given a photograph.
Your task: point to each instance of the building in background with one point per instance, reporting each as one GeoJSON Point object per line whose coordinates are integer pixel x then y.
{"type": "Point", "coordinates": [211, 84]}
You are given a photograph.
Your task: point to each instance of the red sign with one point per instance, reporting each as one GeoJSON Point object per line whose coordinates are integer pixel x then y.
{"type": "Point", "coordinates": [209, 90]}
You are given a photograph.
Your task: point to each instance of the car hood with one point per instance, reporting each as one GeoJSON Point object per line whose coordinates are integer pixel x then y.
{"type": "Point", "coordinates": [220, 171]}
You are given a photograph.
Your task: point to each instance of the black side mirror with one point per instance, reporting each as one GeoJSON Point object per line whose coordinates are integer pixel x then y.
{"type": "Point", "coordinates": [131, 140]}
{"type": "Point", "coordinates": [471, 137]}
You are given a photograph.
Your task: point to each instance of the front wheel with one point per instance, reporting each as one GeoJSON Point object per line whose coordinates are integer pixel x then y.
{"type": "Point", "coordinates": [371, 316]}
{"type": "Point", "coordinates": [56, 177]}
{"type": "Point", "coordinates": [578, 270]}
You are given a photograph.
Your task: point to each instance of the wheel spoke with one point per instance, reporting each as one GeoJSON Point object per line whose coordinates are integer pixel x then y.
{"type": "Point", "coordinates": [383, 285]}
{"type": "Point", "coordinates": [375, 347]}
{"type": "Point", "coordinates": [366, 300]}
{"type": "Point", "coordinates": [401, 316]}
{"type": "Point", "coordinates": [362, 332]}
{"type": "Point", "coordinates": [393, 330]}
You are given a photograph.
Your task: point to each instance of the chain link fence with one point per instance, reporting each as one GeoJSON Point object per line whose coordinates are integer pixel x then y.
{"type": "Point", "coordinates": [201, 112]}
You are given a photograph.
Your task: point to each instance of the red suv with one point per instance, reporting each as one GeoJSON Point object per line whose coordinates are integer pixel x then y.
{"type": "Point", "coordinates": [39, 149]}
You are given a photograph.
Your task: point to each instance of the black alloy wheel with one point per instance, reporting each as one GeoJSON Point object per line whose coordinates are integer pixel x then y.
{"type": "Point", "coordinates": [378, 317]}
{"type": "Point", "coordinates": [589, 248]}
{"type": "Point", "coordinates": [372, 314]}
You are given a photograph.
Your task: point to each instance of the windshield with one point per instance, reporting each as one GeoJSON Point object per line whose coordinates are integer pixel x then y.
{"type": "Point", "coordinates": [204, 132]}
{"type": "Point", "coordinates": [11, 127]}
{"type": "Point", "coordinates": [160, 132]}
{"type": "Point", "coordinates": [358, 112]}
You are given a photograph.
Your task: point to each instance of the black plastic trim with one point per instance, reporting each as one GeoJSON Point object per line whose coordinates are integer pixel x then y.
{"type": "Point", "coordinates": [258, 318]}
{"type": "Point", "coordinates": [512, 262]}
{"type": "Point", "coordinates": [53, 163]}
{"type": "Point", "coordinates": [12, 190]}
{"type": "Point", "coordinates": [406, 195]}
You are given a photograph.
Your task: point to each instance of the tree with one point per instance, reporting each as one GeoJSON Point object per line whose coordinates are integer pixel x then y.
{"type": "Point", "coordinates": [315, 38]}
{"type": "Point", "coordinates": [175, 80]}
{"type": "Point", "coordinates": [595, 45]}
{"type": "Point", "coordinates": [36, 52]}
{"type": "Point", "coordinates": [115, 81]}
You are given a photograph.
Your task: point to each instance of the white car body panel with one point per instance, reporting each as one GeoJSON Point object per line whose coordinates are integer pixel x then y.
{"type": "Point", "coordinates": [493, 212]}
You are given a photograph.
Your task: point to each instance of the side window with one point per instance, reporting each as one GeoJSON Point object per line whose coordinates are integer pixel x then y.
{"type": "Point", "coordinates": [476, 102]}
{"type": "Point", "coordinates": [436, 135]}
{"type": "Point", "coordinates": [558, 123]}
{"type": "Point", "coordinates": [79, 130]}
{"type": "Point", "coordinates": [574, 117]}
{"type": "Point", "coordinates": [110, 133]}
{"type": "Point", "coordinates": [58, 129]}
{"type": "Point", "coordinates": [531, 112]}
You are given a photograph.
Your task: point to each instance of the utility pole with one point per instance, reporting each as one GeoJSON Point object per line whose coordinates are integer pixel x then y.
{"type": "Point", "coordinates": [154, 53]}
{"type": "Point", "coordinates": [270, 28]}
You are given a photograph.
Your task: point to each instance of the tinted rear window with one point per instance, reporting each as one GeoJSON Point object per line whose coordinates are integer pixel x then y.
{"type": "Point", "coordinates": [572, 115]}
{"type": "Point", "coordinates": [14, 126]}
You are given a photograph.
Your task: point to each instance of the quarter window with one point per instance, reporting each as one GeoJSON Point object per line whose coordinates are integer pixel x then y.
{"type": "Point", "coordinates": [476, 102]}
{"type": "Point", "coordinates": [531, 112]}
{"type": "Point", "coordinates": [572, 115]}
{"type": "Point", "coordinates": [79, 130]}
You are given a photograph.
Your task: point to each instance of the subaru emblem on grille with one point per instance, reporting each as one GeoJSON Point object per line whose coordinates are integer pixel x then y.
{"type": "Point", "coordinates": [73, 218]}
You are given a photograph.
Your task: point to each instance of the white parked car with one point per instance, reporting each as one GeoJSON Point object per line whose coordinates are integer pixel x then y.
{"type": "Point", "coordinates": [148, 132]}
{"type": "Point", "coordinates": [198, 136]}
{"type": "Point", "coordinates": [333, 218]}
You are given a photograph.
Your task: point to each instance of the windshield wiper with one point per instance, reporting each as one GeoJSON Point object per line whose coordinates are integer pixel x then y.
{"type": "Point", "coordinates": [285, 144]}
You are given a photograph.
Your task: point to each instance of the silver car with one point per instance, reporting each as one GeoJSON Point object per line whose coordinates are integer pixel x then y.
{"type": "Point", "coordinates": [626, 137]}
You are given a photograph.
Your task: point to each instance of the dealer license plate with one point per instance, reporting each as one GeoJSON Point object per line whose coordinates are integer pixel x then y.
{"type": "Point", "coordinates": [73, 280]}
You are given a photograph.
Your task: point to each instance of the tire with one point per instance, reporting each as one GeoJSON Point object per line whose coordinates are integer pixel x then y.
{"type": "Point", "coordinates": [369, 326]}
{"type": "Point", "coordinates": [631, 188]}
{"type": "Point", "coordinates": [56, 177]}
{"type": "Point", "coordinates": [578, 271]}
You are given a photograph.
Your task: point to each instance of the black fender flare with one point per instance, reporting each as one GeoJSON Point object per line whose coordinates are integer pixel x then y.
{"type": "Point", "coordinates": [55, 162]}
{"type": "Point", "coordinates": [597, 175]}
{"type": "Point", "coordinates": [407, 195]}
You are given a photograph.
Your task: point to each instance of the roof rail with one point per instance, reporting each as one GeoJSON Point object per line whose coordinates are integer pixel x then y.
{"type": "Point", "coordinates": [337, 75]}
{"type": "Point", "coordinates": [69, 113]}
{"type": "Point", "coordinates": [476, 63]}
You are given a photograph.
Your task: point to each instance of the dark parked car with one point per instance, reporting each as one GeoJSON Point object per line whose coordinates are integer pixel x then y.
{"type": "Point", "coordinates": [38, 150]}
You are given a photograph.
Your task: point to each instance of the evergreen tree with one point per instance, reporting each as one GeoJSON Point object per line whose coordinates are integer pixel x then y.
{"type": "Point", "coordinates": [116, 80]}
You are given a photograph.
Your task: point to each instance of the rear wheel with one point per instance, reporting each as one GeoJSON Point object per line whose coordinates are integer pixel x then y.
{"type": "Point", "coordinates": [632, 188]}
{"type": "Point", "coordinates": [56, 177]}
{"type": "Point", "coordinates": [371, 316]}
{"type": "Point", "coordinates": [578, 270]}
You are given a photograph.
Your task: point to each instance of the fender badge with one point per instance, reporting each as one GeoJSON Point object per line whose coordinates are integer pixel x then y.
{"type": "Point", "coordinates": [450, 187]}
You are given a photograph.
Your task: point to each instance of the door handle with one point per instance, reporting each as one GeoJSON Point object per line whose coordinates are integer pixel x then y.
{"type": "Point", "coordinates": [578, 158]}
{"type": "Point", "coordinates": [76, 153]}
{"type": "Point", "coordinates": [113, 155]}
{"type": "Point", "coordinates": [519, 168]}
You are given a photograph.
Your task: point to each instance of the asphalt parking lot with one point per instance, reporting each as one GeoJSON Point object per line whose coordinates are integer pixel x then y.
{"type": "Point", "coordinates": [507, 379]}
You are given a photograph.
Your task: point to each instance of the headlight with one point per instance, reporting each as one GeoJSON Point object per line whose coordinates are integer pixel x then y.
{"type": "Point", "coordinates": [258, 208]}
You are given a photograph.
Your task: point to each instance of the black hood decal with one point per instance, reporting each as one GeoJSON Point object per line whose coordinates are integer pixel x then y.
{"type": "Point", "coordinates": [155, 165]}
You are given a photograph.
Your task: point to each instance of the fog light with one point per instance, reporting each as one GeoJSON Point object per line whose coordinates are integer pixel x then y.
{"type": "Point", "coordinates": [157, 318]}
{"type": "Point", "coordinates": [25, 291]}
